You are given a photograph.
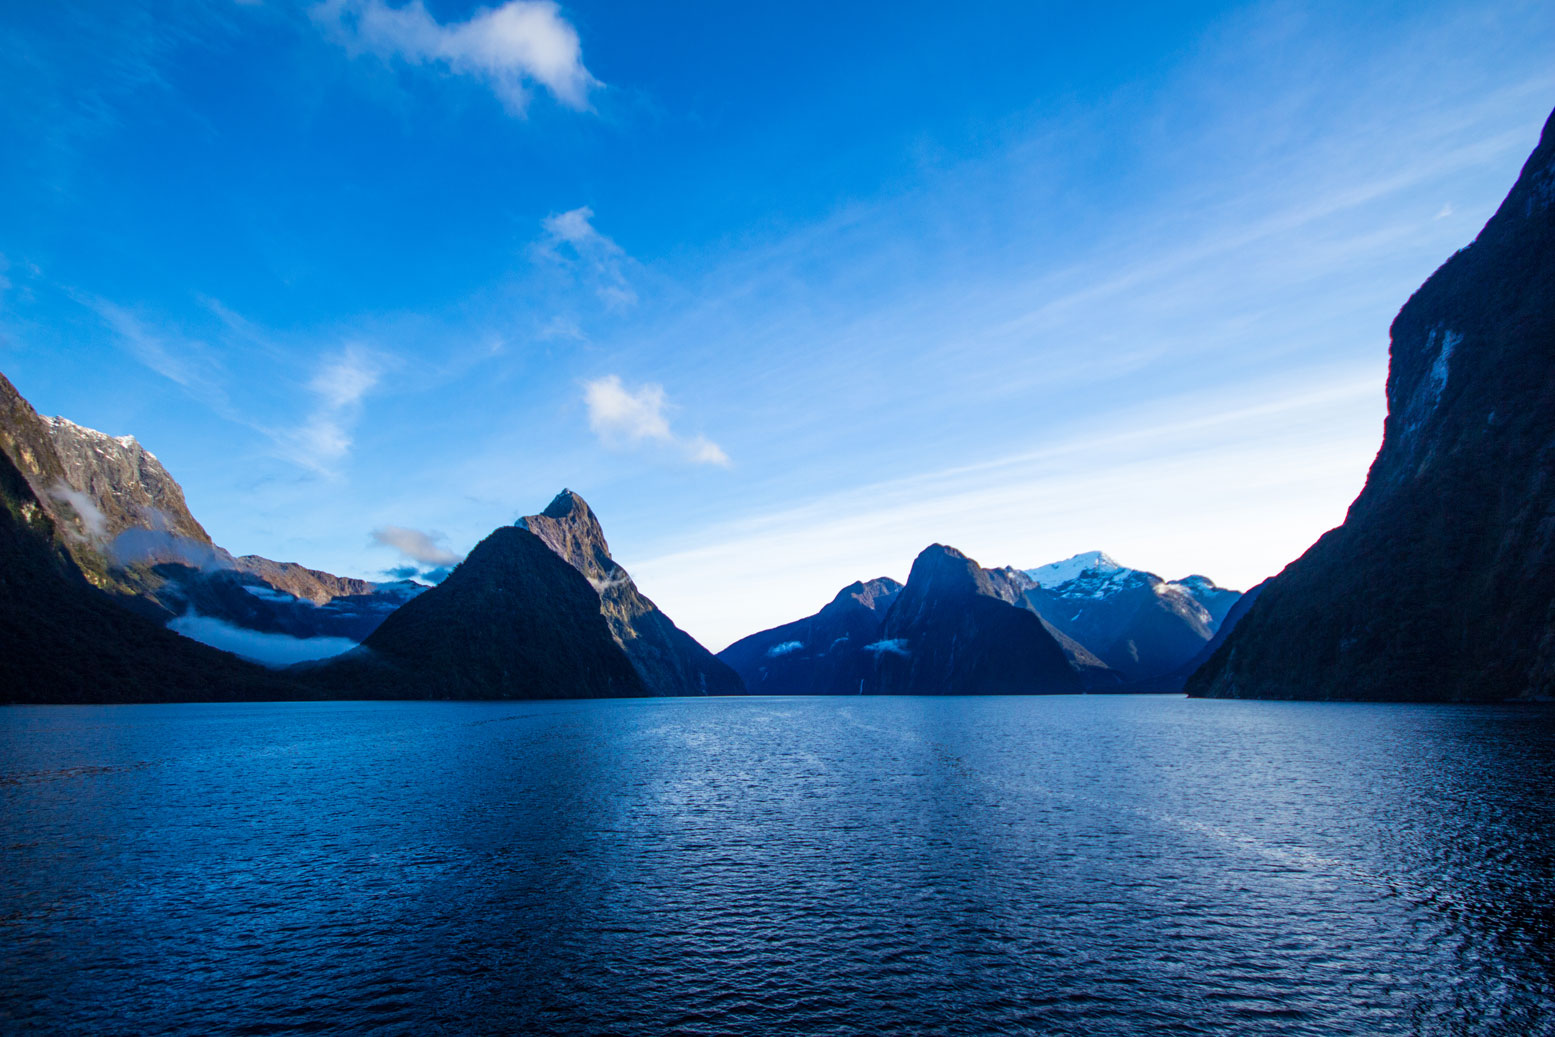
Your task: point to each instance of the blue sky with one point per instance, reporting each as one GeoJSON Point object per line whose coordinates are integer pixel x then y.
{"type": "Point", "coordinates": [787, 292]}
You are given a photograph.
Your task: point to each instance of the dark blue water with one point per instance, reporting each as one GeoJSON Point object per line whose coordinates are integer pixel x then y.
{"type": "Point", "coordinates": [937, 866]}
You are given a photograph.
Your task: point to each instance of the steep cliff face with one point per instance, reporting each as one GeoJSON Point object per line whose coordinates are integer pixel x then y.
{"type": "Point", "coordinates": [513, 621]}
{"type": "Point", "coordinates": [67, 641]}
{"type": "Point", "coordinates": [124, 521]}
{"type": "Point", "coordinates": [124, 482]}
{"type": "Point", "coordinates": [952, 632]}
{"type": "Point", "coordinates": [823, 654]}
{"type": "Point", "coordinates": [669, 661]}
{"type": "Point", "coordinates": [1440, 584]}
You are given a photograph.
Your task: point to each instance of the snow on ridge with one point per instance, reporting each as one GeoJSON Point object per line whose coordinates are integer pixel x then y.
{"type": "Point", "coordinates": [1055, 573]}
{"type": "Point", "coordinates": [784, 649]}
{"type": "Point", "coordinates": [57, 423]}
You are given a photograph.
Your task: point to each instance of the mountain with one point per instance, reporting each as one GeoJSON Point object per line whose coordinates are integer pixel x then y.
{"type": "Point", "coordinates": [1141, 626]}
{"type": "Point", "coordinates": [823, 654]}
{"type": "Point", "coordinates": [1440, 584]}
{"type": "Point", "coordinates": [512, 621]}
{"type": "Point", "coordinates": [69, 641]}
{"type": "Point", "coordinates": [123, 519]}
{"type": "Point", "coordinates": [669, 661]}
{"type": "Point", "coordinates": [1055, 573]}
{"type": "Point", "coordinates": [950, 631]}
{"type": "Point", "coordinates": [1178, 679]}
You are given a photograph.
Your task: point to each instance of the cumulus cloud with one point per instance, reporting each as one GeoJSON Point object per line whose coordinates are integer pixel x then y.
{"type": "Point", "coordinates": [416, 545]}
{"type": "Point", "coordinates": [507, 47]}
{"type": "Point", "coordinates": [323, 438]}
{"type": "Point", "coordinates": [625, 418]}
{"type": "Point", "coordinates": [571, 239]}
{"type": "Point", "coordinates": [430, 561]}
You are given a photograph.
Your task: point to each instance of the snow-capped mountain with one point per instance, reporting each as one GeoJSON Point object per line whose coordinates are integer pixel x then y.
{"type": "Point", "coordinates": [1055, 573]}
{"type": "Point", "coordinates": [1138, 624]}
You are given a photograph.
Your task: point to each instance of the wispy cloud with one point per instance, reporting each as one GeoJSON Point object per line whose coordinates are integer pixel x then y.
{"type": "Point", "coordinates": [507, 47]}
{"type": "Point", "coordinates": [571, 239]}
{"type": "Point", "coordinates": [1143, 489]}
{"type": "Point", "coordinates": [323, 438]}
{"type": "Point", "coordinates": [626, 418]}
{"type": "Point", "coordinates": [188, 363]}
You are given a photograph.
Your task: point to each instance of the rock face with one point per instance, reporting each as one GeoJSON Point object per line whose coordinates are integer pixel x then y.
{"type": "Point", "coordinates": [124, 482]}
{"type": "Point", "coordinates": [512, 621]}
{"type": "Point", "coordinates": [125, 523]}
{"type": "Point", "coordinates": [669, 661]}
{"type": "Point", "coordinates": [1141, 626]}
{"type": "Point", "coordinates": [952, 632]}
{"type": "Point", "coordinates": [823, 654]}
{"type": "Point", "coordinates": [67, 641]}
{"type": "Point", "coordinates": [1440, 584]}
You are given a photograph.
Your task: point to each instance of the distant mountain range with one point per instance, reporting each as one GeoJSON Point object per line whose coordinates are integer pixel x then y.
{"type": "Point", "coordinates": [959, 628]}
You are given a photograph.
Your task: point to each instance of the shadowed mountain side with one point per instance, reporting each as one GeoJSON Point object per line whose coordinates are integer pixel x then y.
{"type": "Point", "coordinates": [67, 641]}
{"type": "Point", "coordinates": [1138, 624]}
{"type": "Point", "coordinates": [823, 654]}
{"type": "Point", "coordinates": [1440, 584]}
{"type": "Point", "coordinates": [513, 621]}
{"type": "Point", "coordinates": [951, 632]}
{"type": "Point", "coordinates": [1176, 681]}
{"type": "Point", "coordinates": [669, 660]}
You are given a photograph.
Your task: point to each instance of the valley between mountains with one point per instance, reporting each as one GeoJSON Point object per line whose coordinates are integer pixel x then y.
{"type": "Point", "coordinates": [1440, 584]}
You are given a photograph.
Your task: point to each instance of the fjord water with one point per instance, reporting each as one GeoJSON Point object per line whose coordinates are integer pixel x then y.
{"type": "Point", "coordinates": [1099, 865]}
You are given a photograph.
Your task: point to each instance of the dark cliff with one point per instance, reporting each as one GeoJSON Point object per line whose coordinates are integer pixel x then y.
{"type": "Point", "coordinates": [669, 660]}
{"type": "Point", "coordinates": [823, 654]}
{"type": "Point", "coordinates": [1440, 584]}
{"type": "Point", "coordinates": [952, 632]}
{"type": "Point", "coordinates": [512, 621]}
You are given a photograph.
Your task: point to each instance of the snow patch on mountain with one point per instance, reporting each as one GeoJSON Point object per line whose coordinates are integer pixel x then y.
{"type": "Point", "coordinates": [1055, 573]}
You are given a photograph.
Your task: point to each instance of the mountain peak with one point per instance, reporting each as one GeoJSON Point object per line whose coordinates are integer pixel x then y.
{"type": "Point", "coordinates": [1055, 573]}
{"type": "Point", "coordinates": [565, 504]}
{"type": "Point", "coordinates": [872, 594]}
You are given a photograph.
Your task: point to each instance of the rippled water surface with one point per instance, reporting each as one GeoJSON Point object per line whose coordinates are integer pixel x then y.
{"type": "Point", "coordinates": [1098, 865]}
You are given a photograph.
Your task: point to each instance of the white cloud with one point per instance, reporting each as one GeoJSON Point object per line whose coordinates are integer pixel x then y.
{"type": "Point", "coordinates": [324, 437]}
{"type": "Point", "coordinates": [94, 525]}
{"type": "Point", "coordinates": [506, 46]}
{"type": "Point", "coordinates": [416, 545]}
{"type": "Point", "coordinates": [571, 239]}
{"type": "Point", "coordinates": [624, 418]}
{"type": "Point", "coordinates": [261, 647]}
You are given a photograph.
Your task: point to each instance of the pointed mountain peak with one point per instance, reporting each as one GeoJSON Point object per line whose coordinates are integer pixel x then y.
{"type": "Point", "coordinates": [946, 570]}
{"type": "Point", "coordinates": [566, 504]}
{"type": "Point", "coordinates": [1055, 573]}
{"type": "Point", "coordinates": [571, 529]}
